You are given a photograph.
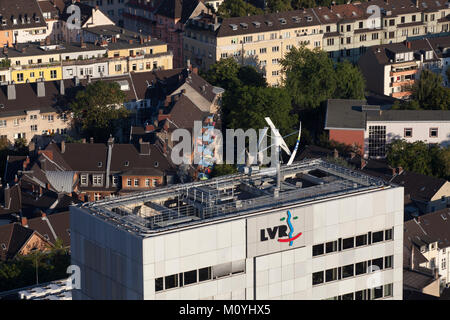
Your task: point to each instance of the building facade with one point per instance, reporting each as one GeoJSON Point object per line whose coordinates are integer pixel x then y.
{"type": "Point", "coordinates": [341, 244]}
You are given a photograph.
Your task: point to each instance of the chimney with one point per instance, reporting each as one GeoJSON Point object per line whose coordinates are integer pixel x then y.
{"type": "Point", "coordinates": [413, 264]}
{"type": "Point", "coordinates": [24, 222]}
{"type": "Point", "coordinates": [141, 40]}
{"type": "Point", "coordinates": [5, 50]}
{"type": "Point", "coordinates": [144, 147]}
{"type": "Point", "coordinates": [130, 41]}
{"type": "Point", "coordinates": [393, 171]}
{"type": "Point", "coordinates": [11, 91]}
{"type": "Point", "coordinates": [43, 214]}
{"type": "Point", "coordinates": [335, 154]}
{"type": "Point", "coordinates": [408, 44]}
{"type": "Point", "coordinates": [61, 87]}
{"type": "Point", "coordinates": [188, 63]}
{"type": "Point", "coordinates": [7, 196]}
{"type": "Point", "coordinates": [108, 160]}
{"type": "Point", "coordinates": [83, 140]}
{"type": "Point", "coordinates": [417, 3]}
{"type": "Point", "coordinates": [82, 44]}
{"type": "Point", "coordinates": [195, 70]}
{"type": "Point", "coordinates": [399, 170]}
{"type": "Point", "coordinates": [91, 139]}
{"type": "Point", "coordinates": [63, 146]}
{"type": "Point", "coordinates": [40, 89]}
{"type": "Point", "coordinates": [149, 38]}
{"type": "Point", "coordinates": [26, 163]}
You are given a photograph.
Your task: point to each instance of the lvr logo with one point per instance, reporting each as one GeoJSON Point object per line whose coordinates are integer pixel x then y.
{"type": "Point", "coordinates": [282, 231]}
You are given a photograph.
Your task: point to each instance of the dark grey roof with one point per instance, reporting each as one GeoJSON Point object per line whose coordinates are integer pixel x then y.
{"type": "Point", "coordinates": [418, 186]}
{"type": "Point", "coordinates": [19, 9]}
{"type": "Point", "coordinates": [353, 114]}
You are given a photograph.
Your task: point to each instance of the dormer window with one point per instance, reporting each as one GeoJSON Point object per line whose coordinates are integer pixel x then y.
{"type": "Point", "coordinates": [282, 21]}
{"type": "Point", "coordinates": [156, 164]}
{"type": "Point", "coordinates": [126, 163]}
{"type": "Point", "coordinates": [244, 25]}
{"type": "Point", "coordinates": [99, 164]}
{"type": "Point", "coordinates": [3, 246]}
{"type": "Point", "coordinates": [84, 179]}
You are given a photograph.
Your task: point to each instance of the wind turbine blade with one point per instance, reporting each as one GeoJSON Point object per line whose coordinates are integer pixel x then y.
{"type": "Point", "coordinates": [276, 133]}
{"type": "Point", "coordinates": [291, 159]}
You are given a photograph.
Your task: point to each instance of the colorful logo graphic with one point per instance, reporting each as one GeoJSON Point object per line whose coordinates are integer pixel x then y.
{"type": "Point", "coordinates": [291, 228]}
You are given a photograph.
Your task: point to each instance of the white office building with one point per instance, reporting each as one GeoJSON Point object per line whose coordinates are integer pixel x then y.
{"type": "Point", "coordinates": [328, 233]}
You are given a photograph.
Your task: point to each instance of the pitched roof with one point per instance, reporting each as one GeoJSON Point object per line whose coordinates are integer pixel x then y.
{"type": "Point", "coordinates": [19, 9]}
{"type": "Point", "coordinates": [12, 238]}
{"type": "Point", "coordinates": [178, 9]}
{"type": "Point", "coordinates": [416, 280]}
{"type": "Point", "coordinates": [420, 187]}
{"type": "Point", "coordinates": [52, 227]}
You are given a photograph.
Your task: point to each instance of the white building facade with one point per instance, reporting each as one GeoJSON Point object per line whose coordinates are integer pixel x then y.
{"type": "Point", "coordinates": [345, 245]}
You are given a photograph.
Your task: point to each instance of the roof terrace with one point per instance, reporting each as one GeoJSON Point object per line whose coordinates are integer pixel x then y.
{"type": "Point", "coordinates": [230, 196]}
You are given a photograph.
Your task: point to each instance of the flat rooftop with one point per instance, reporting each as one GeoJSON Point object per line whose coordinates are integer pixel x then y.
{"type": "Point", "coordinates": [181, 205]}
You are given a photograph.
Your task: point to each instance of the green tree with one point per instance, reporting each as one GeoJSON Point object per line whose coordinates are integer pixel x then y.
{"type": "Point", "coordinates": [222, 170]}
{"type": "Point", "coordinates": [248, 75]}
{"type": "Point", "coordinates": [249, 105]}
{"type": "Point", "coordinates": [447, 73]}
{"type": "Point", "coordinates": [237, 8]}
{"type": "Point", "coordinates": [309, 76]}
{"type": "Point", "coordinates": [279, 5]}
{"type": "Point", "coordinates": [298, 4]}
{"type": "Point", "coordinates": [429, 92]}
{"type": "Point", "coordinates": [350, 84]}
{"type": "Point", "coordinates": [224, 73]}
{"type": "Point", "coordinates": [420, 157]}
{"type": "Point", "coordinates": [98, 108]}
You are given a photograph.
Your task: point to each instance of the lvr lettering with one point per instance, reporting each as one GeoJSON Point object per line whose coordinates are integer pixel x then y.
{"type": "Point", "coordinates": [270, 233]}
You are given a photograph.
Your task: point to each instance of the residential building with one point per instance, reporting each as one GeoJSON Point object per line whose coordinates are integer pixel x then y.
{"type": "Point", "coordinates": [427, 250]}
{"type": "Point", "coordinates": [215, 4]}
{"type": "Point", "coordinates": [261, 41]}
{"type": "Point", "coordinates": [345, 31]}
{"type": "Point", "coordinates": [21, 22]}
{"type": "Point", "coordinates": [370, 128]}
{"type": "Point", "coordinates": [32, 110]}
{"type": "Point", "coordinates": [346, 229]}
{"type": "Point", "coordinates": [114, 9]}
{"type": "Point", "coordinates": [165, 20]}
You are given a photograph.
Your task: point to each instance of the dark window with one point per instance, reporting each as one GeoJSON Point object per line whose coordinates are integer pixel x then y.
{"type": "Point", "coordinates": [204, 274]}
{"type": "Point", "coordinates": [377, 292]}
{"type": "Point", "coordinates": [360, 25]}
{"type": "Point", "coordinates": [433, 132]}
{"type": "Point", "coordinates": [361, 268]}
{"type": "Point", "coordinates": [331, 275]}
{"type": "Point", "coordinates": [331, 246]}
{"type": "Point", "coordinates": [377, 263]}
{"type": "Point", "coordinates": [360, 295]}
{"type": "Point", "coordinates": [361, 240]}
{"type": "Point", "coordinates": [171, 281]}
{"type": "Point", "coordinates": [181, 279]}
{"type": "Point", "coordinates": [348, 271]}
{"type": "Point", "coordinates": [377, 236]}
{"type": "Point", "coordinates": [317, 250]}
{"type": "Point", "coordinates": [348, 243]}
{"type": "Point", "coordinates": [348, 296]}
{"type": "Point", "coordinates": [190, 277]}
{"type": "Point", "coordinates": [388, 262]}
{"type": "Point", "coordinates": [377, 140]}
{"type": "Point", "coordinates": [408, 132]}
{"type": "Point", "coordinates": [317, 278]}
{"type": "Point", "coordinates": [159, 284]}
{"type": "Point", "coordinates": [388, 234]}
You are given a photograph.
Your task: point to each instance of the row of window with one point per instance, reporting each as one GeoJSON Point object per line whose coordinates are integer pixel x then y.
{"type": "Point", "coordinates": [97, 180]}
{"type": "Point", "coordinates": [368, 294]}
{"type": "Point", "coordinates": [53, 75]}
{"type": "Point", "coordinates": [352, 242]}
{"type": "Point", "coordinates": [352, 270]}
{"type": "Point", "coordinates": [195, 276]}
{"type": "Point", "coordinates": [433, 132]}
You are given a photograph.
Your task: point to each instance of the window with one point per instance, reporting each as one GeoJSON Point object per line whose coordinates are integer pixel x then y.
{"type": "Point", "coordinates": [204, 274]}
{"type": "Point", "coordinates": [97, 180]}
{"type": "Point", "coordinates": [248, 39]}
{"type": "Point", "coordinates": [171, 281]}
{"type": "Point", "coordinates": [317, 250]}
{"type": "Point", "coordinates": [443, 264]}
{"type": "Point", "coordinates": [317, 278]}
{"type": "Point", "coordinates": [2, 123]}
{"type": "Point", "coordinates": [129, 182]}
{"type": "Point", "coordinates": [51, 118]}
{"type": "Point", "coordinates": [374, 36]}
{"type": "Point", "coordinates": [361, 268]}
{"type": "Point", "coordinates": [377, 141]}
{"type": "Point", "coordinates": [361, 295]}
{"type": "Point", "coordinates": [348, 296]}
{"type": "Point", "coordinates": [330, 42]}
{"type": "Point", "coordinates": [118, 67]}
{"type": "Point", "coordinates": [97, 196]}
{"type": "Point", "coordinates": [388, 290]}
{"type": "Point", "coordinates": [331, 274]}
{"type": "Point", "coordinates": [408, 133]}
{"type": "Point", "coordinates": [360, 25]}
{"type": "Point", "coordinates": [348, 271]}
{"type": "Point", "coordinates": [388, 262]}
{"type": "Point", "coordinates": [20, 77]}
{"type": "Point", "coordinates": [361, 240]}
{"type": "Point", "coordinates": [388, 234]}
{"type": "Point", "coordinates": [224, 55]}
{"type": "Point", "coordinates": [262, 50]}
{"type": "Point", "coordinates": [147, 182]}
{"type": "Point", "coordinates": [52, 74]}
{"type": "Point", "coordinates": [84, 179]}
{"type": "Point", "coordinates": [275, 49]}
{"type": "Point", "coordinates": [377, 264]}
{"type": "Point", "coordinates": [159, 284]}
{"type": "Point", "coordinates": [433, 132]}
{"type": "Point", "coordinates": [331, 246]}
{"type": "Point", "coordinates": [221, 270]}
{"type": "Point", "coordinates": [136, 182]}
{"type": "Point", "coordinates": [274, 61]}
{"type": "Point", "coordinates": [33, 127]}
{"type": "Point", "coordinates": [348, 243]}
{"type": "Point", "coordinates": [362, 37]}
{"type": "Point", "coordinates": [377, 236]}
{"type": "Point", "coordinates": [260, 37]}
{"type": "Point", "coordinates": [115, 180]}
{"type": "Point", "coordinates": [190, 277]}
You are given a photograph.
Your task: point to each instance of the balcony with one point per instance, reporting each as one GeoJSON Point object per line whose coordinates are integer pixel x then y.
{"type": "Point", "coordinates": [402, 94]}
{"type": "Point", "coordinates": [402, 83]}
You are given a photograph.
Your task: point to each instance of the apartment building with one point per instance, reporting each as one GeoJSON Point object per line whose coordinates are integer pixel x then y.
{"type": "Point", "coordinates": [21, 22]}
{"type": "Point", "coordinates": [164, 20]}
{"type": "Point", "coordinates": [345, 240]}
{"type": "Point", "coordinates": [344, 31]}
{"type": "Point", "coordinates": [261, 41]}
{"type": "Point", "coordinates": [114, 9]}
{"type": "Point", "coordinates": [371, 128]}
{"type": "Point", "coordinates": [427, 248]}
{"type": "Point", "coordinates": [31, 110]}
